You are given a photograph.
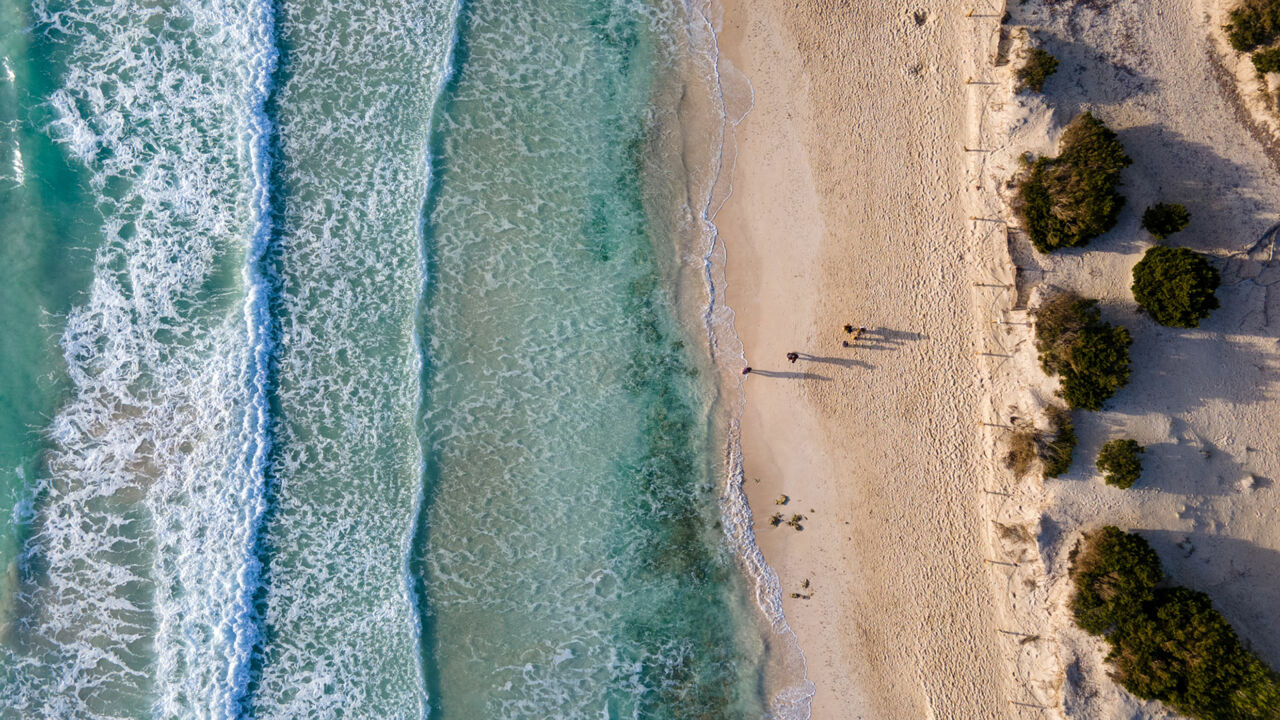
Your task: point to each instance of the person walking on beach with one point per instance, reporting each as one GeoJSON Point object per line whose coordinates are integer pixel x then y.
{"type": "Point", "coordinates": [746, 370]}
{"type": "Point", "coordinates": [848, 329]}
{"type": "Point", "coordinates": [792, 357]}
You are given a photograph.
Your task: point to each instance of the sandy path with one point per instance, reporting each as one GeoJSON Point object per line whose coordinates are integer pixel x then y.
{"type": "Point", "coordinates": [848, 207]}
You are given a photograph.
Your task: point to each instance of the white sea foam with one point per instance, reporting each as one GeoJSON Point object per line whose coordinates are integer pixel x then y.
{"type": "Point", "coordinates": [409, 579]}
{"type": "Point", "coordinates": [19, 173]}
{"type": "Point", "coordinates": [10, 134]}
{"type": "Point", "coordinates": [129, 578]}
{"type": "Point", "coordinates": [355, 104]}
{"type": "Point", "coordinates": [139, 576]}
{"type": "Point", "coordinates": [793, 699]}
{"type": "Point", "coordinates": [240, 627]}
{"type": "Point", "coordinates": [551, 525]}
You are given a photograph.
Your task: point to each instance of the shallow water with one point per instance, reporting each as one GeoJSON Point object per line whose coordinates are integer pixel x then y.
{"type": "Point", "coordinates": [361, 386]}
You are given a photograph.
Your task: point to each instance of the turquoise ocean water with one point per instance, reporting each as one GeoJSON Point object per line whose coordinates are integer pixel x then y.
{"type": "Point", "coordinates": [364, 360]}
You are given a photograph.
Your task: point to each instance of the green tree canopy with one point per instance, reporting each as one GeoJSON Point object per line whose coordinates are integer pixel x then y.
{"type": "Point", "coordinates": [1089, 356]}
{"type": "Point", "coordinates": [1058, 445]}
{"type": "Point", "coordinates": [1121, 462]}
{"type": "Point", "coordinates": [1068, 200]}
{"type": "Point", "coordinates": [1165, 219]}
{"type": "Point", "coordinates": [1175, 286]}
{"type": "Point", "coordinates": [1167, 643]}
{"type": "Point", "coordinates": [1253, 23]}
{"type": "Point", "coordinates": [1038, 67]}
{"type": "Point", "coordinates": [1114, 574]}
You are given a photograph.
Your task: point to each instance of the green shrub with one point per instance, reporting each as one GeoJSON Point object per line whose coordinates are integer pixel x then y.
{"type": "Point", "coordinates": [1267, 61]}
{"type": "Point", "coordinates": [1039, 66]}
{"type": "Point", "coordinates": [1114, 574]}
{"type": "Point", "coordinates": [1175, 286]}
{"type": "Point", "coordinates": [1165, 219]}
{"type": "Point", "coordinates": [1068, 200]}
{"type": "Point", "coordinates": [1182, 652]}
{"type": "Point", "coordinates": [1121, 461]}
{"type": "Point", "coordinates": [1057, 446]}
{"type": "Point", "coordinates": [1089, 356]}
{"type": "Point", "coordinates": [1099, 367]}
{"type": "Point", "coordinates": [1253, 23]}
{"type": "Point", "coordinates": [1167, 644]}
{"type": "Point", "coordinates": [1051, 449]}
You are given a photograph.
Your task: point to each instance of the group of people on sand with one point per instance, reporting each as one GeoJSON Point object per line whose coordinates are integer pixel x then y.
{"type": "Point", "coordinates": [849, 329]}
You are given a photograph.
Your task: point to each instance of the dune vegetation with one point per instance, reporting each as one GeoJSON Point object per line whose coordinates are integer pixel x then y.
{"type": "Point", "coordinates": [1051, 448]}
{"type": "Point", "coordinates": [1165, 219]}
{"type": "Point", "coordinates": [1176, 286]}
{"type": "Point", "coordinates": [1036, 70]}
{"type": "Point", "coordinates": [1253, 24]}
{"type": "Point", "coordinates": [1068, 200]}
{"type": "Point", "coordinates": [1167, 643]}
{"type": "Point", "coordinates": [1089, 356]}
{"type": "Point", "coordinates": [1120, 461]}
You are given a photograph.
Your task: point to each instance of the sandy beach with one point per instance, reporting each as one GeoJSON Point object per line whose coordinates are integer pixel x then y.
{"type": "Point", "coordinates": [848, 207]}
{"type": "Point", "coordinates": [871, 188]}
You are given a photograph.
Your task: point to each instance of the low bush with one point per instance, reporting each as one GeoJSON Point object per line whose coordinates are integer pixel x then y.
{"type": "Point", "coordinates": [1253, 23]}
{"type": "Point", "coordinates": [1120, 461]}
{"type": "Point", "coordinates": [1024, 451]}
{"type": "Point", "coordinates": [1175, 286]}
{"type": "Point", "coordinates": [1267, 61]}
{"type": "Point", "coordinates": [1165, 219]}
{"type": "Point", "coordinates": [1114, 574]}
{"type": "Point", "coordinates": [1051, 449]}
{"type": "Point", "coordinates": [1089, 356]}
{"type": "Point", "coordinates": [1057, 446]}
{"type": "Point", "coordinates": [1068, 200]}
{"type": "Point", "coordinates": [1039, 66]}
{"type": "Point", "coordinates": [1167, 643]}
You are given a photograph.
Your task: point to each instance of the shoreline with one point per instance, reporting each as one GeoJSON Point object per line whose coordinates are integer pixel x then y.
{"type": "Point", "coordinates": [869, 443]}
{"type": "Point", "coordinates": [711, 98]}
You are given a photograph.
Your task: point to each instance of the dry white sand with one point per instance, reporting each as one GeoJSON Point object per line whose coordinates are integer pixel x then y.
{"type": "Point", "coordinates": [849, 208]}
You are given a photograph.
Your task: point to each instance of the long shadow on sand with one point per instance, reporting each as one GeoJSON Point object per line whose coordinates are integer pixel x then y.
{"type": "Point", "coordinates": [838, 361]}
{"type": "Point", "coordinates": [1087, 77]}
{"type": "Point", "coordinates": [1169, 166]}
{"type": "Point", "coordinates": [790, 375]}
{"type": "Point", "coordinates": [1177, 371]}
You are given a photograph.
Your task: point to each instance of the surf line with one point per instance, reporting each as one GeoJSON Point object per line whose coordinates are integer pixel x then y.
{"type": "Point", "coordinates": [794, 700]}
{"type": "Point", "coordinates": [414, 583]}
{"type": "Point", "coordinates": [242, 625]}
